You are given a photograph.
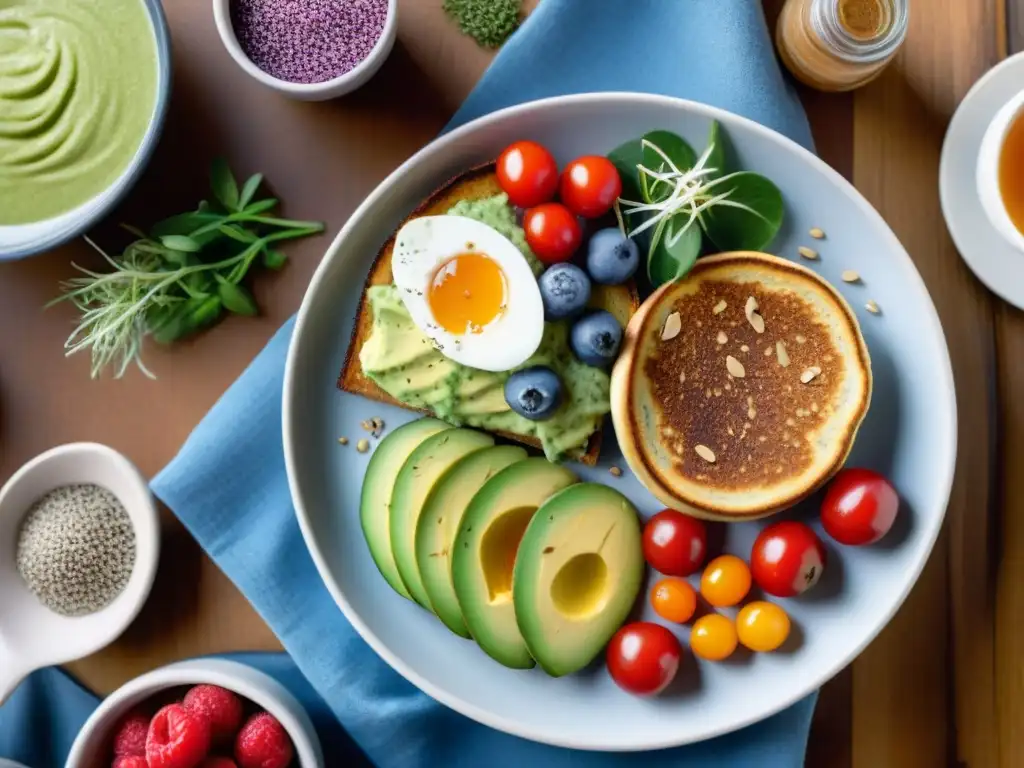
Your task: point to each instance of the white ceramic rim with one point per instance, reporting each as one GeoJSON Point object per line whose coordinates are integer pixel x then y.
{"type": "Point", "coordinates": [337, 86]}
{"type": "Point", "coordinates": [989, 158]}
{"type": "Point", "coordinates": [226, 673]}
{"type": "Point", "coordinates": [930, 323]}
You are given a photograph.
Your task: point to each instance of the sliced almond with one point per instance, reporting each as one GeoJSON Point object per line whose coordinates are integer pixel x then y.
{"type": "Point", "coordinates": [720, 307]}
{"type": "Point", "coordinates": [682, 377]}
{"type": "Point", "coordinates": [768, 351]}
{"type": "Point", "coordinates": [757, 322]}
{"type": "Point", "coordinates": [807, 376]}
{"type": "Point", "coordinates": [808, 253]}
{"type": "Point", "coordinates": [744, 348]}
{"type": "Point", "coordinates": [780, 352]}
{"type": "Point", "coordinates": [751, 413]}
{"type": "Point", "coordinates": [849, 276]}
{"type": "Point", "coordinates": [673, 325]}
{"type": "Point", "coordinates": [800, 339]}
{"type": "Point", "coordinates": [751, 307]}
{"type": "Point", "coordinates": [722, 338]}
{"type": "Point", "coordinates": [873, 308]}
{"type": "Point", "coordinates": [735, 367]}
{"type": "Point", "coordinates": [817, 234]}
{"type": "Point", "coordinates": [705, 453]}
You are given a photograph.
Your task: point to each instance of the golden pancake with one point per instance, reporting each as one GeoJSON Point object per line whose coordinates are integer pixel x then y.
{"type": "Point", "coordinates": [728, 412]}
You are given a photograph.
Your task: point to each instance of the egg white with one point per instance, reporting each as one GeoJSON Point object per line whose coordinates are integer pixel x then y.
{"type": "Point", "coordinates": [424, 244]}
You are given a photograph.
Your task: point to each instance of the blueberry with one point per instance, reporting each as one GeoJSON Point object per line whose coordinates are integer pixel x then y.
{"type": "Point", "coordinates": [595, 338]}
{"type": "Point", "coordinates": [612, 258]}
{"type": "Point", "coordinates": [565, 291]}
{"type": "Point", "coordinates": [534, 393]}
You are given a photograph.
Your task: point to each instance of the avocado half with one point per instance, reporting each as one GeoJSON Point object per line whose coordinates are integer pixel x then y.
{"type": "Point", "coordinates": [439, 523]}
{"type": "Point", "coordinates": [486, 551]}
{"type": "Point", "coordinates": [378, 484]}
{"type": "Point", "coordinates": [577, 575]}
{"type": "Point", "coordinates": [421, 472]}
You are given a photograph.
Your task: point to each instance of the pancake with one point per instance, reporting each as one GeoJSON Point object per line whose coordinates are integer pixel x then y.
{"type": "Point", "coordinates": [710, 417]}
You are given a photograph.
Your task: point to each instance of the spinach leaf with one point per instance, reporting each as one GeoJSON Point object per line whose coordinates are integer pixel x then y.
{"type": "Point", "coordinates": [673, 250]}
{"type": "Point", "coordinates": [626, 157]}
{"type": "Point", "coordinates": [716, 159]}
{"type": "Point", "coordinates": [737, 229]}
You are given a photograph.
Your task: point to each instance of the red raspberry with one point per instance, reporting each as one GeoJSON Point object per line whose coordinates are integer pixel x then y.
{"type": "Point", "coordinates": [218, 762]}
{"type": "Point", "coordinates": [131, 736]}
{"type": "Point", "coordinates": [177, 738]}
{"type": "Point", "coordinates": [263, 743]}
{"type": "Point", "coordinates": [220, 707]}
{"type": "Point", "coordinates": [130, 761]}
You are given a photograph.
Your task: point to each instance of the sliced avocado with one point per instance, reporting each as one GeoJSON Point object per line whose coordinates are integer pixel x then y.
{"type": "Point", "coordinates": [416, 479]}
{"type": "Point", "coordinates": [439, 522]}
{"type": "Point", "coordinates": [378, 483]}
{"type": "Point", "coordinates": [578, 573]}
{"type": "Point", "coordinates": [485, 551]}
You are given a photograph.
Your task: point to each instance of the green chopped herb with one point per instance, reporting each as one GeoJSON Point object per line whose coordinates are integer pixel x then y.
{"type": "Point", "coordinates": [489, 22]}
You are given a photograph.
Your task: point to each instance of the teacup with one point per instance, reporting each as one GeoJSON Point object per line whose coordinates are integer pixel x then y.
{"type": "Point", "coordinates": [990, 189]}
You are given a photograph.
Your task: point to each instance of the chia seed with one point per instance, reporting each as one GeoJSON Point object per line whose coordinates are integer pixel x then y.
{"type": "Point", "coordinates": [76, 549]}
{"type": "Point", "coordinates": [308, 41]}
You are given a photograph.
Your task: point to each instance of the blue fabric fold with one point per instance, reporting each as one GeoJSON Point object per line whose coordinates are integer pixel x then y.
{"type": "Point", "coordinates": [228, 483]}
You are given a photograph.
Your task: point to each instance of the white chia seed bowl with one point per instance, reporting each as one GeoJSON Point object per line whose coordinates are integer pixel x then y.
{"type": "Point", "coordinates": [31, 635]}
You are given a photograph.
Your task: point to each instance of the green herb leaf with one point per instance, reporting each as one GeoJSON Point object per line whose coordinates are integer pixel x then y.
{"type": "Point", "coordinates": [733, 228]}
{"type": "Point", "coordinates": [674, 249]}
{"type": "Point", "coordinates": [237, 233]}
{"type": "Point", "coordinates": [260, 206]}
{"type": "Point", "coordinates": [249, 189]}
{"type": "Point", "coordinates": [181, 243]}
{"type": "Point", "coordinates": [626, 158]}
{"type": "Point", "coordinates": [205, 313]}
{"type": "Point", "coordinates": [655, 146]}
{"type": "Point", "coordinates": [182, 224]}
{"type": "Point", "coordinates": [273, 259]}
{"type": "Point", "coordinates": [716, 159]}
{"type": "Point", "coordinates": [236, 298]}
{"type": "Point", "coordinates": [223, 184]}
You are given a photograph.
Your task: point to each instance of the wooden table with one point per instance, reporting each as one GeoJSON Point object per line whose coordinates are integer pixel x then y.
{"type": "Point", "coordinates": [959, 637]}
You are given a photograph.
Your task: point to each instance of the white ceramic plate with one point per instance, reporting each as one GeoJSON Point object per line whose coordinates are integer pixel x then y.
{"type": "Point", "coordinates": [995, 262]}
{"type": "Point", "coordinates": [909, 434]}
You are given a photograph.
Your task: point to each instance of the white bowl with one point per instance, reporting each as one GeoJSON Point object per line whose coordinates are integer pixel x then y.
{"type": "Point", "coordinates": [328, 89]}
{"type": "Point", "coordinates": [31, 635]}
{"type": "Point", "coordinates": [93, 741]}
{"type": "Point", "coordinates": [988, 171]}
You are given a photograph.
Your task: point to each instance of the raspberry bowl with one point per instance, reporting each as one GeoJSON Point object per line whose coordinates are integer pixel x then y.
{"type": "Point", "coordinates": [206, 712]}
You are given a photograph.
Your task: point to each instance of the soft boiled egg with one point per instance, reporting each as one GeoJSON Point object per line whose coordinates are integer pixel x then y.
{"type": "Point", "coordinates": [470, 290]}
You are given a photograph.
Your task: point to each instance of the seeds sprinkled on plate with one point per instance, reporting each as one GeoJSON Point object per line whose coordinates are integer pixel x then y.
{"type": "Point", "coordinates": [363, 445]}
{"type": "Point", "coordinates": [735, 367]}
{"type": "Point", "coordinates": [849, 276]}
{"type": "Point", "coordinates": [343, 440]}
{"type": "Point", "coordinates": [817, 234]}
{"type": "Point", "coordinates": [807, 253]}
{"type": "Point", "coordinates": [720, 307]}
{"type": "Point", "coordinates": [615, 471]}
{"type": "Point", "coordinates": [673, 325]}
{"type": "Point", "coordinates": [873, 307]}
{"type": "Point", "coordinates": [705, 453]}
{"type": "Point", "coordinates": [780, 352]}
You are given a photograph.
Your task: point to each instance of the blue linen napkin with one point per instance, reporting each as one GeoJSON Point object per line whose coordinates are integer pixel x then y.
{"type": "Point", "coordinates": [228, 483]}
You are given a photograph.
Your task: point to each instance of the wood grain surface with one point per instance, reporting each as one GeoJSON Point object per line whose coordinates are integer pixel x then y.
{"type": "Point", "coordinates": [942, 685]}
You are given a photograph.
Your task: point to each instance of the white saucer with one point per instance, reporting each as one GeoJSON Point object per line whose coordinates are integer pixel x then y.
{"type": "Point", "coordinates": [995, 262]}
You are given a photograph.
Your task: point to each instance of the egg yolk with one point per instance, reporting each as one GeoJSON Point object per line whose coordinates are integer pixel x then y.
{"type": "Point", "coordinates": [467, 293]}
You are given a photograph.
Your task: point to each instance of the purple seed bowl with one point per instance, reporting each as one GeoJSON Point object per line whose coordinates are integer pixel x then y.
{"type": "Point", "coordinates": [311, 50]}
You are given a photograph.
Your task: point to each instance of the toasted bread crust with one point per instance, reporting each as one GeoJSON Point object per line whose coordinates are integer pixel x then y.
{"type": "Point", "coordinates": [475, 184]}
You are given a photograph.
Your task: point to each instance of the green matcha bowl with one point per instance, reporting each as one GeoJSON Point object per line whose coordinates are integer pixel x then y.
{"type": "Point", "coordinates": [101, 73]}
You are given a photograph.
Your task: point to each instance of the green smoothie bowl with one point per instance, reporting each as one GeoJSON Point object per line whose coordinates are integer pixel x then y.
{"type": "Point", "coordinates": [84, 87]}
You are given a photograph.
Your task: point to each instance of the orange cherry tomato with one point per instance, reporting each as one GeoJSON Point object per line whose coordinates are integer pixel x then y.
{"type": "Point", "coordinates": [674, 600]}
{"type": "Point", "coordinates": [762, 626]}
{"type": "Point", "coordinates": [713, 637]}
{"type": "Point", "coordinates": [725, 581]}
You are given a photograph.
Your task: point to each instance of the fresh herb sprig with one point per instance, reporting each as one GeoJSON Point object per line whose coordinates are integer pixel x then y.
{"type": "Point", "coordinates": [673, 198]}
{"type": "Point", "coordinates": [181, 277]}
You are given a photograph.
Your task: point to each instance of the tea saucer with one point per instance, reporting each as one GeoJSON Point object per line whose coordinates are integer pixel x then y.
{"type": "Point", "coordinates": [992, 259]}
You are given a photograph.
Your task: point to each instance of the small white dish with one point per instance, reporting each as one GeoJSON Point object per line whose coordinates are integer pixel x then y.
{"type": "Point", "coordinates": [31, 635]}
{"type": "Point", "coordinates": [328, 89]}
{"type": "Point", "coordinates": [93, 741]}
{"type": "Point", "coordinates": [994, 253]}
{"type": "Point", "coordinates": [988, 171]}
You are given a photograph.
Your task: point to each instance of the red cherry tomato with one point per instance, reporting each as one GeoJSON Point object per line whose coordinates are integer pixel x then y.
{"type": "Point", "coordinates": [787, 559]}
{"type": "Point", "coordinates": [674, 543]}
{"type": "Point", "coordinates": [552, 232]}
{"type": "Point", "coordinates": [527, 173]}
{"type": "Point", "coordinates": [643, 658]}
{"type": "Point", "coordinates": [590, 185]}
{"type": "Point", "coordinates": [859, 508]}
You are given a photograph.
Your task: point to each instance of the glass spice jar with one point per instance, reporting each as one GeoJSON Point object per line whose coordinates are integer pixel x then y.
{"type": "Point", "coordinates": [839, 45]}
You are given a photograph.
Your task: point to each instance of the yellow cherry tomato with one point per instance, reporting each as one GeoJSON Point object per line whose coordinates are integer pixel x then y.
{"type": "Point", "coordinates": [762, 626]}
{"type": "Point", "coordinates": [674, 600]}
{"type": "Point", "coordinates": [725, 581]}
{"type": "Point", "coordinates": [713, 637]}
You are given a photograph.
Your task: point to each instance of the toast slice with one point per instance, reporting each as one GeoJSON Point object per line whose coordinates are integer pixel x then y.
{"type": "Point", "coordinates": [478, 183]}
